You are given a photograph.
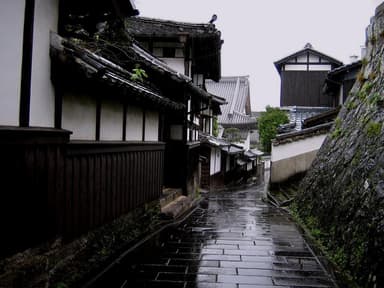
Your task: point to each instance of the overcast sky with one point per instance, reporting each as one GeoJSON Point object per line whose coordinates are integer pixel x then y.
{"type": "Point", "coordinates": [256, 33]}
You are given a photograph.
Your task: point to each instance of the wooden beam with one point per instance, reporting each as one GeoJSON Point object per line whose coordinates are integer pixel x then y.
{"type": "Point", "coordinates": [26, 66]}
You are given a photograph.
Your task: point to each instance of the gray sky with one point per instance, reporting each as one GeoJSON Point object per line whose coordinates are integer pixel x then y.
{"type": "Point", "coordinates": [256, 33]}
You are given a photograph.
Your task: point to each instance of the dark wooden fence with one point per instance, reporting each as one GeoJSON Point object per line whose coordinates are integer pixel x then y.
{"type": "Point", "coordinates": [104, 181]}
{"type": "Point", "coordinates": [50, 187]}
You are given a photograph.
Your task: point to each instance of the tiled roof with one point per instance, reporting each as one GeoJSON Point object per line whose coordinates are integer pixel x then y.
{"type": "Point", "coordinates": [297, 115]}
{"type": "Point", "coordinates": [204, 39]}
{"type": "Point", "coordinates": [101, 70]}
{"type": "Point", "coordinates": [345, 68]}
{"type": "Point", "coordinates": [144, 26]}
{"type": "Point", "coordinates": [213, 141]}
{"type": "Point", "coordinates": [302, 134]}
{"type": "Point", "coordinates": [235, 90]}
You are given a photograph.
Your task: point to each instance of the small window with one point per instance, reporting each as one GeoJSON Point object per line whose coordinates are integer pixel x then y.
{"type": "Point", "coordinates": [169, 52]}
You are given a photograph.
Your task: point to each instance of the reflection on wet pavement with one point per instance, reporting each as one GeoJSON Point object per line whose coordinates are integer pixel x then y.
{"type": "Point", "coordinates": [237, 242]}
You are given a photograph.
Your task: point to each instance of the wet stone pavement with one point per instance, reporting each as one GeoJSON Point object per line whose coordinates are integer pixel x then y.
{"type": "Point", "coordinates": [238, 241]}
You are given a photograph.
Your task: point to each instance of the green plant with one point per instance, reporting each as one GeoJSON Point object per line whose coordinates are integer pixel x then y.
{"type": "Point", "coordinates": [373, 128]}
{"type": "Point", "coordinates": [360, 77]}
{"type": "Point", "coordinates": [268, 123]}
{"type": "Point", "coordinates": [373, 40]}
{"type": "Point", "coordinates": [215, 127]}
{"type": "Point", "coordinates": [375, 99]}
{"type": "Point", "coordinates": [337, 129]}
{"type": "Point", "coordinates": [364, 62]}
{"type": "Point", "coordinates": [138, 74]}
{"type": "Point", "coordinates": [232, 135]}
{"type": "Point", "coordinates": [351, 105]}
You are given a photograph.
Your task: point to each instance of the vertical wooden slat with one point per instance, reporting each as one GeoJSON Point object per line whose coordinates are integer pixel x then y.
{"type": "Point", "coordinates": [91, 192]}
{"type": "Point", "coordinates": [98, 188]}
{"type": "Point", "coordinates": [103, 188]}
{"type": "Point", "coordinates": [76, 195]}
{"type": "Point", "coordinates": [84, 194]}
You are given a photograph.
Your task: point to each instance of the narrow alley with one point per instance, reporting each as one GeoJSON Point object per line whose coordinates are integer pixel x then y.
{"type": "Point", "coordinates": [235, 240]}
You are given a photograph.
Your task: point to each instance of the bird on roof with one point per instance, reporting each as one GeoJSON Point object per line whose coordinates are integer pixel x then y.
{"type": "Point", "coordinates": [213, 19]}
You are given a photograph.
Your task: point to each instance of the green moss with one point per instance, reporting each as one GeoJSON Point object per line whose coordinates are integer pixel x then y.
{"type": "Point", "coordinates": [360, 77]}
{"type": "Point", "coordinates": [373, 129]}
{"type": "Point", "coordinates": [351, 105]}
{"type": "Point", "coordinates": [373, 40]}
{"type": "Point", "coordinates": [367, 87]}
{"type": "Point", "coordinates": [356, 159]}
{"type": "Point", "coordinates": [372, 76]}
{"type": "Point", "coordinates": [375, 99]}
{"type": "Point", "coordinates": [364, 62]}
{"type": "Point", "coordinates": [337, 131]}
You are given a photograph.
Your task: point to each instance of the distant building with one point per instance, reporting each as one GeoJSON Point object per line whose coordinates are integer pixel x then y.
{"type": "Point", "coordinates": [313, 85]}
{"type": "Point", "coordinates": [236, 115]}
{"type": "Point", "coordinates": [339, 81]}
{"type": "Point", "coordinates": [302, 78]}
{"type": "Point", "coordinates": [236, 125]}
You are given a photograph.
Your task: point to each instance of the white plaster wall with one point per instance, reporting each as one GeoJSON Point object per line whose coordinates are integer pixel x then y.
{"type": "Point", "coordinates": [134, 127]}
{"type": "Point", "coordinates": [11, 33]}
{"type": "Point", "coordinates": [79, 116]}
{"type": "Point", "coordinates": [176, 64]}
{"type": "Point", "coordinates": [302, 58]}
{"type": "Point", "coordinates": [111, 120]}
{"type": "Point", "coordinates": [319, 67]}
{"type": "Point", "coordinates": [291, 149]}
{"type": "Point", "coordinates": [313, 58]}
{"type": "Point", "coordinates": [295, 67]}
{"type": "Point", "coordinates": [215, 161]}
{"type": "Point", "coordinates": [151, 126]}
{"type": "Point", "coordinates": [42, 91]}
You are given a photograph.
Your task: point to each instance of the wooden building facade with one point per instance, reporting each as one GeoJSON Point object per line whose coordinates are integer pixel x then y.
{"type": "Point", "coordinates": [192, 51]}
{"type": "Point", "coordinates": [302, 78]}
{"type": "Point", "coordinates": [81, 142]}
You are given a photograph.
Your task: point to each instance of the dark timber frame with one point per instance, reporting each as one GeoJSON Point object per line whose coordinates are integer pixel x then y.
{"type": "Point", "coordinates": [26, 67]}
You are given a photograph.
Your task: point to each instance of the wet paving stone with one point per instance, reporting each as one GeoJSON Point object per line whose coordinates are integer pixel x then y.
{"type": "Point", "coordinates": [237, 242]}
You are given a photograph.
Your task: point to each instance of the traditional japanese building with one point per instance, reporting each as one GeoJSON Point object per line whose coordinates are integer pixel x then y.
{"type": "Point", "coordinates": [193, 51]}
{"type": "Point", "coordinates": [84, 115]}
{"type": "Point", "coordinates": [302, 78]}
{"type": "Point", "coordinates": [235, 126]}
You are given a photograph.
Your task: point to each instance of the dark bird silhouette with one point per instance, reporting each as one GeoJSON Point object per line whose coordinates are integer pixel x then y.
{"type": "Point", "coordinates": [213, 19]}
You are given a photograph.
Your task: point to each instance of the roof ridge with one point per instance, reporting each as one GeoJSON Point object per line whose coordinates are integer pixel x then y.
{"type": "Point", "coordinates": [171, 22]}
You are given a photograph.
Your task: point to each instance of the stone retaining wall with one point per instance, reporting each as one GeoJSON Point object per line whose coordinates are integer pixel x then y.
{"type": "Point", "coordinates": [343, 193]}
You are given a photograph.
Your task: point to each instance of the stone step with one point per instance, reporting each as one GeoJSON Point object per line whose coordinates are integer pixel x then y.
{"type": "Point", "coordinates": [169, 195]}
{"type": "Point", "coordinates": [177, 207]}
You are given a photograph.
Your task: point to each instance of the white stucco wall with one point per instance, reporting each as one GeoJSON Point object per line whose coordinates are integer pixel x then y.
{"type": "Point", "coordinates": [215, 161]}
{"type": "Point", "coordinates": [151, 126]}
{"type": "Point", "coordinates": [79, 116]}
{"type": "Point", "coordinates": [42, 91]}
{"type": "Point", "coordinates": [291, 149]}
{"type": "Point", "coordinates": [319, 67]}
{"type": "Point", "coordinates": [111, 120]}
{"type": "Point", "coordinates": [313, 58]}
{"type": "Point", "coordinates": [134, 127]}
{"type": "Point", "coordinates": [176, 64]}
{"type": "Point", "coordinates": [289, 67]}
{"type": "Point", "coordinates": [302, 58]}
{"type": "Point", "coordinates": [11, 33]}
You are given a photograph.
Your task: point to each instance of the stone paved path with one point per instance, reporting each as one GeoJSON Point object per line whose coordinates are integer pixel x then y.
{"type": "Point", "coordinates": [237, 242]}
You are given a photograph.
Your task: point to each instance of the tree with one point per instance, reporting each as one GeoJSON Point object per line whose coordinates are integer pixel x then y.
{"type": "Point", "coordinates": [268, 123]}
